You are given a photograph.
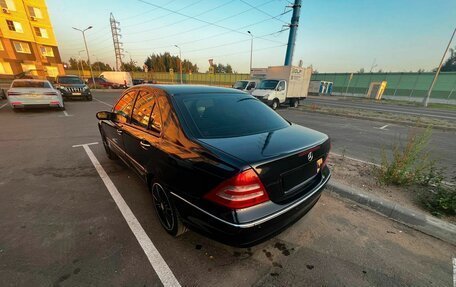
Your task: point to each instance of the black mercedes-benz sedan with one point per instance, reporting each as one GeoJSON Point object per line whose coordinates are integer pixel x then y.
{"type": "Point", "coordinates": [217, 160]}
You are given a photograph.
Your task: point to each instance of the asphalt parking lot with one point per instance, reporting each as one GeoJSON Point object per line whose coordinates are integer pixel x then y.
{"type": "Point", "coordinates": [61, 226]}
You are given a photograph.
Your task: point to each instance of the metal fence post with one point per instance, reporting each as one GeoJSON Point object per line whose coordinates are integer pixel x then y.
{"type": "Point", "coordinates": [398, 84]}
{"type": "Point", "coordinates": [414, 85]}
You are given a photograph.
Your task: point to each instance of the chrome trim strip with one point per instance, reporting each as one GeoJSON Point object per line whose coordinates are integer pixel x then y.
{"type": "Point", "coordinates": [294, 152]}
{"type": "Point", "coordinates": [264, 219]}
{"type": "Point", "coordinates": [127, 155]}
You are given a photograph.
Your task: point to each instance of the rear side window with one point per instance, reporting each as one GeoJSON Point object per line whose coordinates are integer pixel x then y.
{"type": "Point", "coordinates": [227, 115]}
{"type": "Point", "coordinates": [146, 111]}
{"type": "Point", "coordinates": [143, 107]}
{"type": "Point", "coordinates": [124, 107]}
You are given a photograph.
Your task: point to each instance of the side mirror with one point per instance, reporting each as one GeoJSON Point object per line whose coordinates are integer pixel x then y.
{"type": "Point", "coordinates": [106, 116]}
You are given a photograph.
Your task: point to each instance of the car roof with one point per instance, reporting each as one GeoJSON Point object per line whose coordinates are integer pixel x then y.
{"type": "Point", "coordinates": [192, 89]}
{"type": "Point", "coordinates": [29, 80]}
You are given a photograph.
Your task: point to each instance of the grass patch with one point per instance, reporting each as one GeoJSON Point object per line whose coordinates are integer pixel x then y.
{"type": "Point", "coordinates": [410, 166]}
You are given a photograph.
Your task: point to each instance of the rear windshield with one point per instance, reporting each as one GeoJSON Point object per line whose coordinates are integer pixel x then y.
{"type": "Point", "coordinates": [228, 115]}
{"type": "Point", "coordinates": [31, 84]}
{"type": "Point", "coordinates": [70, 80]}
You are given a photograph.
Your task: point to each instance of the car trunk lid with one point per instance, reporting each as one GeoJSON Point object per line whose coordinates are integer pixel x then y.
{"type": "Point", "coordinates": [281, 158]}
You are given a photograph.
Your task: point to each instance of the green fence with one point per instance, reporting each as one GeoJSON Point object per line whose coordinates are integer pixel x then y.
{"type": "Point", "coordinates": [410, 85]}
{"type": "Point", "coordinates": [195, 78]}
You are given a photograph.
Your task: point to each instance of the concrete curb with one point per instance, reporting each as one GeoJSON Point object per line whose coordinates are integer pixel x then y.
{"type": "Point", "coordinates": [412, 218]}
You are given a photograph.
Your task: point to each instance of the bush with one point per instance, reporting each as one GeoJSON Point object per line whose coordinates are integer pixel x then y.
{"type": "Point", "coordinates": [408, 163]}
{"type": "Point", "coordinates": [440, 200]}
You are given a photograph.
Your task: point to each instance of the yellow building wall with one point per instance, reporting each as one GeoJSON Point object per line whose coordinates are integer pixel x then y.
{"type": "Point", "coordinates": [21, 13]}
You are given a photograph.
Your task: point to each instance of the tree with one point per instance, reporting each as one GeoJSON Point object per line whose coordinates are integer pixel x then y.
{"type": "Point", "coordinates": [226, 69]}
{"type": "Point", "coordinates": [361, 71]}
{"type": "Point", "coordinates": [100, 66]}
{"type": "Point", "coordinates": [130, 67]}
{"type": "Point", "coordinates": [450, 63]}
{"type": "Point", "coordinates": [164, 62]}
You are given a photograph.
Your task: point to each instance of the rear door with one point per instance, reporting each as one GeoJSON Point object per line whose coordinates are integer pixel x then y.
{"type": "Point", "coordinates": [142, 135]}
{"type": "Point", "coordinates": [113, 130]}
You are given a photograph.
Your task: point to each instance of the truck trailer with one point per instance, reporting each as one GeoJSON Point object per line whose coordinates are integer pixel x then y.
{"type": "Point", "coordinates": [283, 84]}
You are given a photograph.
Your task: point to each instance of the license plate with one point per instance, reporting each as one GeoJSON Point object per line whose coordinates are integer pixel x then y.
{"type": "Point", "coordinates": [76, 94]}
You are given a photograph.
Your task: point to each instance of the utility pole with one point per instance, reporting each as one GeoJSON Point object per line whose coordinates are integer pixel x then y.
{"type": "Point", "coordinates": [293, 29]}
{"type": "Point", "coordinates": [79, 63]}
{"type": "Point", "coordinates": [180, 62]}
{"type": "Point", "coordinates": [251, 50]}
{"type": "Point", "coordinates": [426, 99]}
{"type": "Point", "coordinates": [115, 30]}
{"type": "Point", "coordinates": [87, 50]}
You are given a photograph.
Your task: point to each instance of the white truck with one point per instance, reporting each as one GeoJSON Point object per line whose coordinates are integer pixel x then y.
{"type": "Point", "coordinates": [283, 84]}
{"type": "Point", "coordinates": [123, 79]}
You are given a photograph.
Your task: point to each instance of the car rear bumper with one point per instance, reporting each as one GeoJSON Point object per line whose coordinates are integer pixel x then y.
{"type": "Point", "coordinates": [30, 102]}
{"type": "Point", "coordinates": [250, 233]}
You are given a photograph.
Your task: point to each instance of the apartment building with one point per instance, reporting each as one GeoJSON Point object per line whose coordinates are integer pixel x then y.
{"type": "Point", "coordinates": [27, 40]}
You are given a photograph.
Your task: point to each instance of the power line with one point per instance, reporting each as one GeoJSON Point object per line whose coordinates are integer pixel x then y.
{"type": "Point", "coordinates": [265, 13]}
{"type": "Point", "coordinates": [143, 13]}
{"type": "Point", "coordinates": [212, 36]}
{"type": "Point", "coordinates": [192, 17]}
{"type": "Point", "coordinates": [162, 16]}
{"type": "Point", "coordinates": [175, 23]}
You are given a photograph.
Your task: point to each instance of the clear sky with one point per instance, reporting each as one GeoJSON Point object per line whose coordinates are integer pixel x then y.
{"type": "Point", "coordinates": [333, 35]}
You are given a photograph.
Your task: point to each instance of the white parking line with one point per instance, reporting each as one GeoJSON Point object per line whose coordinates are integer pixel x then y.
{"type": "Point", "coordinates": [383, 127]}
{"type": "Point", "coordinates": [454, 272]}
{"type": "Point", "coordinates": [66, 114]}
{"type": "Point", "coordinates": [4, 105]}
{"type": "Point", "coordinates": [102, 102]}
{"type": "Point", "coordinates": [156, 260]}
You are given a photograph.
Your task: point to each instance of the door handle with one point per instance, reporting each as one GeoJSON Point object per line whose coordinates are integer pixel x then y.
{"type": "Point", "coordinates": [119, 132]}
{"type": "Point", "coordinates": [144, 144]}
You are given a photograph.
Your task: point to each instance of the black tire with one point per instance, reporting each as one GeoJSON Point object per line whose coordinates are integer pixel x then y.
{"type": "Point", "coordinates": [111, 155]}
{"type": "Point", "coordinates": [62, 108]}
{"type": "Point", "coordinates": [166, 211]}
{"type": "Point", "coordinates": [294, 103]}
{"type": "Point", "coordinates": [89, 98]}
{"type": "Point", "coordinates": [275, 104]}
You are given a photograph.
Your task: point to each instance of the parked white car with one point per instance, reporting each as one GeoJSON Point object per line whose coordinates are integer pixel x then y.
{"type": "Point", "coordinates": [246, 85]}
{"type": "Point", "coordinates": [27, 93]}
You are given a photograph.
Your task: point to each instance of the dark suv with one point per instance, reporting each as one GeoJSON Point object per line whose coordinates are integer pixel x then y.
{"type": "Point", "coordinates": [73, 87]}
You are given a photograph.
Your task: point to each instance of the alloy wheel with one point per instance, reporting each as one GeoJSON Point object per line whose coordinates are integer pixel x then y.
{"type": "Point", "coordinates": [163, 207]}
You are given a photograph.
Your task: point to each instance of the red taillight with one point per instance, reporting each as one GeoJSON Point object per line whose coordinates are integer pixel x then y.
{"type": "Point", "coordinates": [243, 190]}
{"type": "Point", "coordinates": [14, 94]}
{"type": "Point", "coordinates": [54, 102]}
{"type": "Point", "coordinates": [16, 103]}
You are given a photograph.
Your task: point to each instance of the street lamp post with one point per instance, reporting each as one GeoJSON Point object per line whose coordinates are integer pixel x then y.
{"type": "Point", "coordinates": [180, 62]}
{"type": "Point", "coordinates": [79, 62]}
{"type": "Point", "coordinates": [251, 50]}
{"type": "Point", "coordinates": [99, 68]}
{"type": "Point", "coordinates": [428, 95]}
{"type": "Point", "coordinates": [87, 50]}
